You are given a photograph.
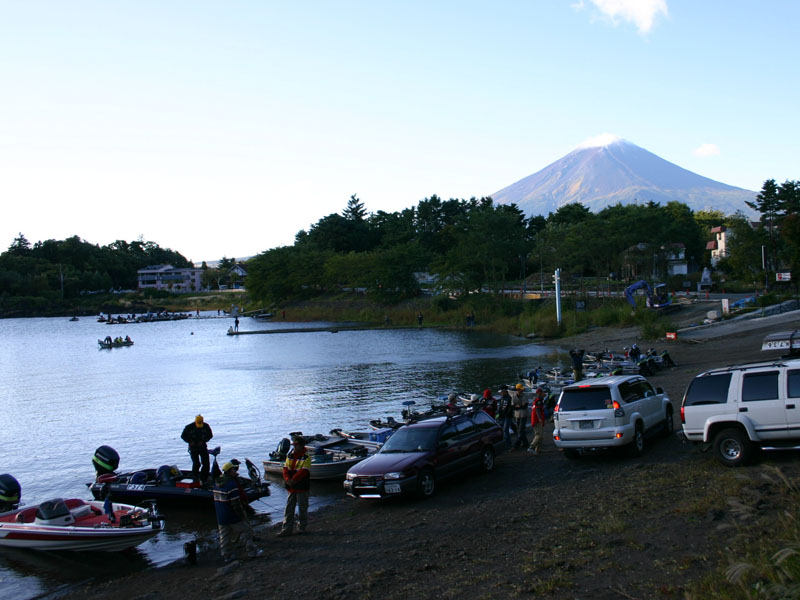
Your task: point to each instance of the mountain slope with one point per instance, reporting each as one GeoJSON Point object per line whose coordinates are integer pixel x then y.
{"type": "Point", "coordinates": [621, 172]}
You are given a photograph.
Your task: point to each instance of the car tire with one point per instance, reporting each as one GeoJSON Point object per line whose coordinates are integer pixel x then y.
{"type": "Point", "coordinates": [669, 423]}
{"type": "Point", "coordinates": [487, 459]}
{"type": "Point", "coordinates": [426, 483]}
{"type": "Point", "coordinates": [571, 453]}
{"type": "Point", "coordinates": [636, 447]}
{"type": "Point", "coordinates": [732, 447]}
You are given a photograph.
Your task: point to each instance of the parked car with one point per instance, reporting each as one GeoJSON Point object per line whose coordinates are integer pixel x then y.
{"type": "Point", "coordinates": [419, 455]}
{"type": "Point", "coordinates": [610, 412]}
{"type": "Point", "coordinates": [736, 410]}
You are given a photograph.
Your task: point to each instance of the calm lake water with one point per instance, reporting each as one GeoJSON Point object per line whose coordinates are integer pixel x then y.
{"type": "Point", "coordinates": [63, 397]}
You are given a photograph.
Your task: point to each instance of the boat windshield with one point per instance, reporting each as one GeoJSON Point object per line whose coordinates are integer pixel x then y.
{"type": "Point", "coordinates": [411, 439]}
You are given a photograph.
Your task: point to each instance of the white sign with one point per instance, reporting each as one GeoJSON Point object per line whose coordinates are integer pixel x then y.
{"type": "Point", "coordinates": [783, 276]}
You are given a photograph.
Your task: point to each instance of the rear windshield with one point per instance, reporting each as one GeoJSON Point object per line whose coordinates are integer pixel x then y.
{"type": "Point", "coordinates": [711, 389]}
{"type": "Point", "coordinates": [591, 398]}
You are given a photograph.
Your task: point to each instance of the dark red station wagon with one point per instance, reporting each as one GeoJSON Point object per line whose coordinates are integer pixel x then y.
{"type": "Point", "coordinates": [420, 454]}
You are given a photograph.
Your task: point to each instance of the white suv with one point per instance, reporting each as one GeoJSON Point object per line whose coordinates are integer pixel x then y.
{"type": "Point", "coordinates": [609, 412]}
{"type": "Point", "coordinates": [741, 408]}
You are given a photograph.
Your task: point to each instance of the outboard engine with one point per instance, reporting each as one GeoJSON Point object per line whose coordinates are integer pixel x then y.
{"type": "Point", "coordinates": [105, 460]}
{"type": "Point", "coordinates": [281, 450]}
{"type": "Point", "coordinates": [10, 492]}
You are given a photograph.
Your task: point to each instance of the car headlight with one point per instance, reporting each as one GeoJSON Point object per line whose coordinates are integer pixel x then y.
{"type": "Point", "coordinates": [393, 476]}
{"type": "Point", "coordinates": [349, 477]}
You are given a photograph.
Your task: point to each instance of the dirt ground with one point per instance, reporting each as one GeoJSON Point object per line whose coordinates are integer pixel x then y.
{"type": "Point", "coordinates": [544, 527]}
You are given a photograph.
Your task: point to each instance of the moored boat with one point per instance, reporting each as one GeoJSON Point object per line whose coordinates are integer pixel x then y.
{"type": "Point", "coordinates": [75, 524]}
{"type": "Point", "coordinates": [167, 484]}
{"type": "Point", "coordinates": [331, 455]}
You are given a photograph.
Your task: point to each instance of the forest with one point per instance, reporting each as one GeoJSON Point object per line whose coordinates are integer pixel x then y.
{"type": "Point", "coordinates": [477, 245]}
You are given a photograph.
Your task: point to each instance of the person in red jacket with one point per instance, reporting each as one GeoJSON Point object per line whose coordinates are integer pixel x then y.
{"type": "Point", "coordinates": [297, 481]}
{"type": "Point", "coordinates": [538, 419]}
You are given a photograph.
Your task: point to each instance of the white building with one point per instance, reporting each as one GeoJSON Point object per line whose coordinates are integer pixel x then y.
{"type": "Point", "coordinates": [719, 246]}
{"type": "Point", "coordinates": [172, 279]}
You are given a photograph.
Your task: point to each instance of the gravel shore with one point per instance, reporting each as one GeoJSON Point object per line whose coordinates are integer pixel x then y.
{"type": "Point", "coordinates": [538, 526]}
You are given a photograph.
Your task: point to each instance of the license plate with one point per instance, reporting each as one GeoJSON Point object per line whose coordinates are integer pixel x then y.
{"type": "Point", "coordinates": [392, 488]}
{"type": "Point", "coordinates": [587, 424]}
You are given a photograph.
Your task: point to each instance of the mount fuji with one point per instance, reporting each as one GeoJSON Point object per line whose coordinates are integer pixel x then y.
{"type": "Point", "coordinates": [619, 172]}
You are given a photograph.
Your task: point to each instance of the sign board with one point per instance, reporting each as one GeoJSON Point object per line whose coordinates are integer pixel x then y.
{"type": "Point", "coordinates": [672, 335]}
{"type": "Point", "coordinates": [726, 306]}
{"type": "Point", "coordinates": [783, 276]}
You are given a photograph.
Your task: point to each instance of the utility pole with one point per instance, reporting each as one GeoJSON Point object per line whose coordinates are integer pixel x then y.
{"type": "Point", "coordinates": [557, 280]}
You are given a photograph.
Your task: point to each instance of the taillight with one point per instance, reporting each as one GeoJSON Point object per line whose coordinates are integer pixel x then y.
{"type": "Point", "coordinates": [555, 410]}
{"type": "Point", "coordinates": [683, 415]}
{"type": "Point", "coordinates": [616, 405]}
{"type": "Point", "coordinates": [618, 410]}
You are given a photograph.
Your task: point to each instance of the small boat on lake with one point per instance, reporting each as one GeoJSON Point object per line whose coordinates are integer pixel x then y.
{"type": "Point", "coordinates": [75, 524]}
{"type": "Point", "coordinates": [107, 343]}
{"type": "Point", "coordinates": [166, 484]}
{"type": "Point", "coordinates": [331, 455]}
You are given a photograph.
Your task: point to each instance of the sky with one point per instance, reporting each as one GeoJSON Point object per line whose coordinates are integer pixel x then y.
{"type": "Point", "coordinates": [225, 128]}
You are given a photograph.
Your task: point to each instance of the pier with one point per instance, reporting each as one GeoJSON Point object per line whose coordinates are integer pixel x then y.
{"type": "Point", "coordinates": [331, 329]}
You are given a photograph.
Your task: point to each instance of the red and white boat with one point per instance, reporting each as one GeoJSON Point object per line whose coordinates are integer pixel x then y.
{"type": "Point", "coordinates": [76, 524]}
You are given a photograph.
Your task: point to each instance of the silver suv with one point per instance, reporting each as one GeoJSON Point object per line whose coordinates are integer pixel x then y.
{"type": "Point", "coordinates": [610, 412]}
{"type": "Point", "coordinates": [738, 409]}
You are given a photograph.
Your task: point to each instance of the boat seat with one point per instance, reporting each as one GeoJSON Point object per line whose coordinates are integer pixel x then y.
{"type": "Point", "coordinates": [52, 509]}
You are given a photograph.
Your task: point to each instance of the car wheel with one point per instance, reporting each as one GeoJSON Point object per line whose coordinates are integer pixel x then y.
{"type": "Point", "coordinates": [636, 447]}
{"type": "Point", "coordinates": [571, 453]}
{"type": "Point", "coordinates": [487, 459]}
{"type": "Point", "coordinates": [426, 483]}
{"type": "Point", "coordinates": [732, 447]}
{"type": "Point", "coordinates": [669, 423]}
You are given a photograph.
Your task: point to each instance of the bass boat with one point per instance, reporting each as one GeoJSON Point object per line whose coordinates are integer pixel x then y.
{"type": "Point", "coordinates": [75, 524]}
{"type": "Point", "coordinates": [166, 484]}
{"type": "Point", "coordinates": [331, 455]}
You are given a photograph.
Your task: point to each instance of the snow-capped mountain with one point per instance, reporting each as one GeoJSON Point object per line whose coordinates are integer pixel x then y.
{"type": "Point", "coordinates": [619, 172]}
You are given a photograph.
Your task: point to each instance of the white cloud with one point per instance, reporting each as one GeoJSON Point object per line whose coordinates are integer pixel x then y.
{"type": "Point", "coordinates": [641, 13]}
{"type": "Point", "coordinates": [599, 141]}
{"type": "Point", "coordinates": [706, 150]}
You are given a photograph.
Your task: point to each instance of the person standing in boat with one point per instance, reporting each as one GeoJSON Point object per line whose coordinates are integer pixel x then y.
{"type": "Point", "coordinates": [197, 435]}
{"type": "Point", "coordinates": [235, 533]}
{"type": "Point", "coordinates": [297, 480]}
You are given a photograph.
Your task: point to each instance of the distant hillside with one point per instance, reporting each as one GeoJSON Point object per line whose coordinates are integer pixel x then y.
{"type": "Point", "coordinates": [619, 172]}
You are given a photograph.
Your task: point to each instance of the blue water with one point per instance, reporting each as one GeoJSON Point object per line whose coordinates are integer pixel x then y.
{"type": "Point", "coordinates": [63, 397]}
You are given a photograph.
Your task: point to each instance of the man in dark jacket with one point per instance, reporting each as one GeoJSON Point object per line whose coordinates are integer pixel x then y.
{"type": "Point", "coordinates": [235, 533]}
{"type": "Point", "coordinates": [197, 435]}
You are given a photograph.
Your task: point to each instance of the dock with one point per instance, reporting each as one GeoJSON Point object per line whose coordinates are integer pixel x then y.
{"type": "Point", "coordinates": [331, 329]}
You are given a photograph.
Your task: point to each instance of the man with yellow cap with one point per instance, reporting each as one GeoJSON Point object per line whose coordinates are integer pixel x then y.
{"type": "Point", "coordinates": [235, 533]}
{"type": "Point", "coordinates": [519, 402]}
{"type": "Point", "coordinates": [197, 434]}
{"type": "Point", "coordinates": [297, 480]}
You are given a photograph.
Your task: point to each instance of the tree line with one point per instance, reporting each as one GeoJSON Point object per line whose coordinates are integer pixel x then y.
{"type": "Point", "coordinates": [476, 244]}
{"type": "Point", "coordinates": [62, 269]}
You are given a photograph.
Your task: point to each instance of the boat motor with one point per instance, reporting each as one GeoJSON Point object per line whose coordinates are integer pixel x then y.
{"type": "Point", "coordinates": [105, 460]}
{"type": "Point", "coordinates": [281, 450]}
{"type": "Point", "coordinates": [10, 492]}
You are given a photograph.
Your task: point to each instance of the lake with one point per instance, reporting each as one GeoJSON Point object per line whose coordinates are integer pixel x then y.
{"type": "Point", "coordinates": [63, 397]}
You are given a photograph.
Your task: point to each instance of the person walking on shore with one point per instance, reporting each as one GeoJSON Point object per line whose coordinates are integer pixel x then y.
{"type": "Point", "coordinates": [235, 533]}
{"type": "Point", "coordinates": [297, 480]}
{"type": "Point", "coordinates": [197, 434]}
{"type": "Point", "coordinates": [538, 419]}
{"type": "Point", "coordinates": [505, 414]}
{"type": "Point", "coordinates": [520, 405]}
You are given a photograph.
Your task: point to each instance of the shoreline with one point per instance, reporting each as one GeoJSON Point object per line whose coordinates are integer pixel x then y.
{"type": "Point", "coordinates": [531, 528]}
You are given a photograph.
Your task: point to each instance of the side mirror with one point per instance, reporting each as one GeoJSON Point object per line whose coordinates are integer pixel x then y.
{"type": "Point", "coordinates": [659, 390]}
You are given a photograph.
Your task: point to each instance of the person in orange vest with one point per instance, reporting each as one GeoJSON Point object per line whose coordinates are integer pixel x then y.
{"type": "Point", "coordinates": [297, 481]}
